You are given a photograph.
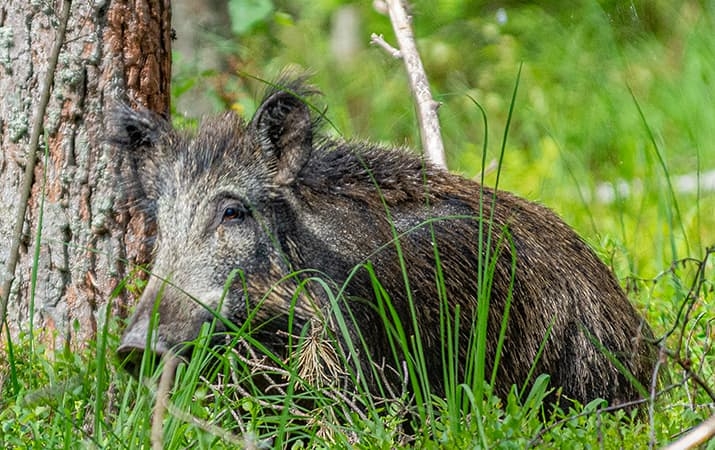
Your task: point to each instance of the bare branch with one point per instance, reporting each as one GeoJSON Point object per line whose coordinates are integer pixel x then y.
{"type": "Point", "coordinates": [379, 40]}
{"type": "Point", "coordinates": [426, 106]}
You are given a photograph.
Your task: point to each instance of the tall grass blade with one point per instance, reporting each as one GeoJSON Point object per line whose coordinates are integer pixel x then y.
{"type": "Point", "coordinates": [485, 253]}
{"type": "Point", "coordinates": [673, 204]}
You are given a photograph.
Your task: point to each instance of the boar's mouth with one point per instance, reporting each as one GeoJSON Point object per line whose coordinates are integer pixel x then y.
{"type": "Point", "coordinates": [132, 350]}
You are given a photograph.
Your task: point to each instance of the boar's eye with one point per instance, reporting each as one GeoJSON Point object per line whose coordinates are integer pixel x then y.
{"type": "Point", "coordinates": [229, 211]}
{"type": "Point", "coordinates": [233, 214]}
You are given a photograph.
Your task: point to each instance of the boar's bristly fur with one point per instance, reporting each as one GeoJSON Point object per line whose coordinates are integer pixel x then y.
{"type": "Point", "coordinates": [271, 198]}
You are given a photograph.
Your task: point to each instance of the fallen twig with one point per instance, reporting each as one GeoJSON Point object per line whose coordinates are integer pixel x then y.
{"type": "Point", "coordinates": [696, 436]}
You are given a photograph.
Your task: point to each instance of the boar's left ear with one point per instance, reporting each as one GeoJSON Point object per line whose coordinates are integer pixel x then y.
{"type": "Point", "coordinates": [142, 138]}
{"type": "Point", "coordinates": [285, 130]}
{"type": "Point", "coordinates": [139, 129]}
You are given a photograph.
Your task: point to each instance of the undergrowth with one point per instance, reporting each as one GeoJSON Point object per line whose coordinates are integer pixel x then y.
{"type": "Point", "coordinates": [220, 397]}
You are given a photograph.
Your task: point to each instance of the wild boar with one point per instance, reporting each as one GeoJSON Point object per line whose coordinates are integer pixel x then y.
{"type": "Point", "coordinates": [278, 201]}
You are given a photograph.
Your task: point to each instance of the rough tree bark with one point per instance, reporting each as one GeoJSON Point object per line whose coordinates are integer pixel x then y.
{"type": "Point", "coordinates": [113, 51]}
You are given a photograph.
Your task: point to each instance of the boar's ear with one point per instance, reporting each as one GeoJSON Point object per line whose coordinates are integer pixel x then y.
{"type": "Point", "coordinates": [285, 130]}
{"type": "Point", "coordinates": [135, 130]}
{"type": "Point", "coordinates": [142, 138]}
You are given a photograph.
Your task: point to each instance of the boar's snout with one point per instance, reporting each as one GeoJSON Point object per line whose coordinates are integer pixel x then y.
{"type": "Point", "coordinates": [133, 346]}
{"type": "Point", "coordinates": [166, 320]}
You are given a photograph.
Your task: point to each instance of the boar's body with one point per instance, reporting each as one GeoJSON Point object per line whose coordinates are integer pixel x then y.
{"type": "Point", "coordinates": [269, 199]}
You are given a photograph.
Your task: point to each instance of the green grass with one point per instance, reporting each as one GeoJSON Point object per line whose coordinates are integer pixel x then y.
{"type": "Point", "coordinates": [598, 102]}
{"type": "Point", "coordinates": [84, 400]}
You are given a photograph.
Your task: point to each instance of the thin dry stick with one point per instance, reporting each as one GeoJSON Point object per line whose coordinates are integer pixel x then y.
{"type": "Point", "coordinates": [255, 363]}
{"type": "Point", "coordinates": [695, 437]}
{"type": "Point", "coordinates": [163, 404]}
{"type": "Point", "coordinates": [426, 105]}
{"type": "Point", "coordinates": [224, 435]}
{"type": "Point", "coordinates": [686, 308]}
{"type": "Point", "coordinates": [162, 400]}
{"type": "Point", "coordinates": [37, 128]}
{"type": "Point", "coordinates": [379, 40]}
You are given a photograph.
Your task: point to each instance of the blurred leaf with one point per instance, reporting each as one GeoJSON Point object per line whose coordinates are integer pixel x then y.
{"type": "Point", "coordinates": [245, 14]}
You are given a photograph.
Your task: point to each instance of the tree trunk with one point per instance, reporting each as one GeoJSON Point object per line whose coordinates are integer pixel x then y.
{"type": "Point", "coordinates": [76, 240]}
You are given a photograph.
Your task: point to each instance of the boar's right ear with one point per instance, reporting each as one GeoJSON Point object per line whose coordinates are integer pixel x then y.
{"type": "Point", "coordinates": [139, 129]}
{"type": "Point", "coordinates": [285, 131]}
